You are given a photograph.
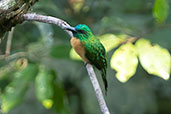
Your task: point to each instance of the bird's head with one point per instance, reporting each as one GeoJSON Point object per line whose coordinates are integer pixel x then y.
{"type": "Point", "coordinates": [81, 31]}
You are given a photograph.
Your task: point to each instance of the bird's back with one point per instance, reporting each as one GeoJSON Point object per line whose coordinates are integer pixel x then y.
{"type": "Point", "coordinates": [95, 53]}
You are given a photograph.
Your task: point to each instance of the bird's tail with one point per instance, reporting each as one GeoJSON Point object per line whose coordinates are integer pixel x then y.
{"type": "Point", "coordinates": [103, 72]}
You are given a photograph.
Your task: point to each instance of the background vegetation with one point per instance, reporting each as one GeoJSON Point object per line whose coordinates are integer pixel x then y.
{"type": "Point", "coordinates": [48, 78]}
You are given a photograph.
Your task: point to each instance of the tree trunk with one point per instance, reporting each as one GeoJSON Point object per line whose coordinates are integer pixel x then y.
{"type": "Point", "coordinates": [11, 12]}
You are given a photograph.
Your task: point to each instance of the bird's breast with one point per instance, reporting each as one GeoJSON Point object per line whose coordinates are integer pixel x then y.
{"type": "Point", "coordinates": [79, 48]}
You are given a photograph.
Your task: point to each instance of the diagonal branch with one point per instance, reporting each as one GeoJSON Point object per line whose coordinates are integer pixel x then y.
{"type": "Point", "coordinates": [97, 89]}
{"type": "Point", "coordinates": [62, 24]}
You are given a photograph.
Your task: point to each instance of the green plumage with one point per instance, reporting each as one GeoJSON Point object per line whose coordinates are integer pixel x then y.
{"type": "Point", "coordinates": [96, 54]}
{"type": "Point", "coordinates": [94, 50]}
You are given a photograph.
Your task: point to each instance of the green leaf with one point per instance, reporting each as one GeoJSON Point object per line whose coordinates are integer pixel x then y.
{"type": "Point", "coordinates": [77, 5]}
{"type": "Point", "coordinates": [44, 88]}
{"type": "Point", "coordinates": [59, 97]}
{"type": "Point", "coordinates": [160, 10]}
{"type": "Point", "coordinates": [110, 41]}
{"type": "Point", "coordinates": [7, 70]}
{"type": "Point", "coordinates": [15, 91]}
{"type": "Point", "coordinates": [60, 51]}
{"type": "Point", "coordinates": [154, 59]}
{"type": "Point", "coordinates": [125, 62]}
{"type": "Point", "coordinates": [74, 55]}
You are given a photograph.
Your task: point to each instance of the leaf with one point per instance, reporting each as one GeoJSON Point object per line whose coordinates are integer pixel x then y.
{"type": "Point", "coordinates": [154, 59]}
{"type": "Point", "coordinates": [15, 91]}
{"type": "Point", "coordinates": [13, 66]}
{"type": "Point", "coordinates": [110, 41]}
{"type": "Point", "coordinates": [74, 55]}
{"type": "Point", "coordinates": [125, 62]}
{"type": "Point", "coordinates": [77, 5]}
{"type": "Point", "coordinates": [59, 97]}
{"type": "Point", "coordinates": [44, 88]}
{"type": "Point", "coordinates": [7, 70]}
{"type": "Point", "coordinates": [160, 10]}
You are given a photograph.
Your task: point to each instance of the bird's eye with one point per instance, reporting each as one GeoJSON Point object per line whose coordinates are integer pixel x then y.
{"type": "Point", "coordinates": [81, 31]}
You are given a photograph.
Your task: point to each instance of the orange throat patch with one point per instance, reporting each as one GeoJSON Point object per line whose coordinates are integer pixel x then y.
{"type": "Point", "coordinates": [79, 48]}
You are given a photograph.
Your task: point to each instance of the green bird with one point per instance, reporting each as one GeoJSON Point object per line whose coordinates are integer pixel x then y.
{"type": "Point", "coordinates": [89, 48]}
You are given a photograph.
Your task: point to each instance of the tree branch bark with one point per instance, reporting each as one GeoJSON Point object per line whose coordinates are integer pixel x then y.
{"type": "Point", "coordinates": [11, 12]}
{"type": "Point", "coordinates": [92, 75]}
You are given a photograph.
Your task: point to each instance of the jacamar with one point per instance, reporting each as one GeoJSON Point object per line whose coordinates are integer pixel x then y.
{"type": "Point", "coordinates": [89, 48]}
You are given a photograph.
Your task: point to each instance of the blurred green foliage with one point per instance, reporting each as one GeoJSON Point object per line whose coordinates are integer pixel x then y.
{"type": "Point", "coordinates": [44, 87]}
{"type": "Point", "coordinates": [52, 75]}
{"type": "Point", "coordinates": [160, 10]}
{"type": "Point", "coordinates": [17, 88]}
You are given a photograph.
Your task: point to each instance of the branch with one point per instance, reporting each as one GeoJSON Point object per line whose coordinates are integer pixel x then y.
{"type": "Point", "coordinates": [97, 89]}
{"type": "Point", "coordinates": [13, 56]}
{"type": "Point", "coordinates": [11, 12]}
{"type": "Point", "coordinates": [62, 24]}
{"type": "Point", "coordinates": [8, 46]}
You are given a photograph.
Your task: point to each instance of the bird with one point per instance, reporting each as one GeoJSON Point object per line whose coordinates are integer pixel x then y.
{"type": "Point", "coordinates": [89, 48]}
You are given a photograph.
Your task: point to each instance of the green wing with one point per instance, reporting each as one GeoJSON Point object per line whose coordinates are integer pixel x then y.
{"type": "Point", "coordinates": [96, 54]}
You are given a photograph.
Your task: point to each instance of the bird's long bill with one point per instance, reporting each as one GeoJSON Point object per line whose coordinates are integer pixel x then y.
{"type": "Point", "coordinates": [72, 29]}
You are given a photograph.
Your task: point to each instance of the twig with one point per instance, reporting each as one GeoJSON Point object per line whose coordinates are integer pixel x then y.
{"type": "Point", "coordinates": [0, 40]}
{"type": "Point", "coordinates": [8, 46]}
{"type": "Point", "coordinates": [19, 54]}
{"type": "Point", "coordinates": [62, 24]}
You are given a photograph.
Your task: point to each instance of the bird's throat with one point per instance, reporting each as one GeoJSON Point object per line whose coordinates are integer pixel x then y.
{"type": "Point", "coordinates": [79, 48]}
